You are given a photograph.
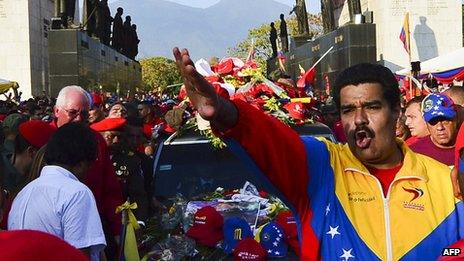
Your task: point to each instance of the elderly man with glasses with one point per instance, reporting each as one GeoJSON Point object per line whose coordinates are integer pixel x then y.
{"type": "Point", "coordinates": [73, 105]}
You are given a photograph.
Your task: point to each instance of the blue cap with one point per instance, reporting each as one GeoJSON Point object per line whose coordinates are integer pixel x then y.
{"type": "Point", "coordinates": [272, 238]}
{"type": "Point", "coordinates": [235, 229]}
{"type": "Point", "coordinates": [438, 105]}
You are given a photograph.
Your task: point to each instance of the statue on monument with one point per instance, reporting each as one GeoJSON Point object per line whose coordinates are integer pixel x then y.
{"type": "Point", "coordinates": [273, 40]}
{"type": "Point", "coordinates": [65, 9]}
{"type": "Point", "coordinates": [283, 33]}
{"type": "Point", "coordinates": [103, 22]}
{"type": "Point", "coordinates": [302, 17]}
{"type": "Point", "coordinates": [134, 49]}
{"type": "Point", "coordinates": [328, 20]}
{"type": "Point", "coordinates": [127, 39]}
{"type": "Point", "coordinates": [118, 30]}
{"type": "Point", "coordinates": [89, 16]}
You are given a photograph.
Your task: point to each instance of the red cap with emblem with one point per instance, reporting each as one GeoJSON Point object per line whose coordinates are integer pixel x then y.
{"type": "Point", "coordinates": [296, 110]}
{"type": "Point", "coordinates": [287, 221]}
{"type": "Point", "coordinates": [207, 227]}
{"type": "Point", "coordinates": [249, 249]}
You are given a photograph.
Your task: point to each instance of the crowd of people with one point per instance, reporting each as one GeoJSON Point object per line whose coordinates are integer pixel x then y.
{"type": "Point", "coordinates": [51, 148]}
{"type": "Point", "coordinates": [68, 163]}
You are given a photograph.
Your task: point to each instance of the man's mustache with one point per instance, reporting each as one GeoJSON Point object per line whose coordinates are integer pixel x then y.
{"type": "Point", "coordinates": [369, 133]}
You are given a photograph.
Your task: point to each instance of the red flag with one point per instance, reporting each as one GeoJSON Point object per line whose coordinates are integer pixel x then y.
{"type": "Point", "coordinates": [306, 79]}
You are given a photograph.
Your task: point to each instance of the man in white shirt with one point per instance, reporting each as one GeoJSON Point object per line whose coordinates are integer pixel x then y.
{"type": "Point", "coordinates": [57, 202]}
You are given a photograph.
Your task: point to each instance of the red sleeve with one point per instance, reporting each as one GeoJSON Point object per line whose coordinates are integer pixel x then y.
{"type": "Point", "coordinates": [276, 149]}
{"type": "Point", "coordinates": [101, 179]}
{"type": "Point", "coordinates": [459, 145]}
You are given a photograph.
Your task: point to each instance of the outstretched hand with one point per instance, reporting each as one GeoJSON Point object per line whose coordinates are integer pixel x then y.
{"type": "Point", "coordinates": [220, 112]}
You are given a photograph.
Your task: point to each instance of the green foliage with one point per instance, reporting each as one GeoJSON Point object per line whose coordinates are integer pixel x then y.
{"type": "Point", "coordinates": [263, 50]}
{"type": "Point", "coordinates": [158, 73]}
{"type": "Point", "coordinates": [315, 25]}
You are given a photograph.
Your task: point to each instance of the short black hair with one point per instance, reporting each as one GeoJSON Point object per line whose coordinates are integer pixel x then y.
{"type": "Point", "coordinates": [71, 144]}
{"type": "Point", "coordinates": [416, 99]}
{"type": "Point", "coordinates": [369, 73]}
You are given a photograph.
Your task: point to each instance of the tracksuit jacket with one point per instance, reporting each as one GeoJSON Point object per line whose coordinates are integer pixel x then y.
{"type": "Point", "coordinates": [339, 206]}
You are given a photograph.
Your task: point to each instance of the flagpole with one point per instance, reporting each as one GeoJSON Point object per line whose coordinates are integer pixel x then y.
{"type": "Point", "coordinates": [320, 59]}
{"type": "Point", "coordinates": [408, 40]}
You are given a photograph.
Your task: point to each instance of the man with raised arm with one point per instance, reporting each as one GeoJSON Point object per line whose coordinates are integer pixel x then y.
{"type": "Point", "coordinates": [371, 199]}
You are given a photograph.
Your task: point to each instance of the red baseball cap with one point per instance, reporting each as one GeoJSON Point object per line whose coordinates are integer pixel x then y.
{"type": "Point", "coordinates": [207, 227]}
{"type": "Point", "coordinates": [36, 245]}
{"type": "Point", "coordinates": [287, 221]}
{"type": "Point", "coordinates": [249, 249]}
{"type": "Point", "coordinates": [36, 132]}
{"type": "Point", "coordinates": [108, 124]}
{"type": "Point", "coordinates": [296, 110]}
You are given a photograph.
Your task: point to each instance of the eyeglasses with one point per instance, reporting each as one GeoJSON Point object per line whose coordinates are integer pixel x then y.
{"type": "Point", "coordinates": [74, 113]}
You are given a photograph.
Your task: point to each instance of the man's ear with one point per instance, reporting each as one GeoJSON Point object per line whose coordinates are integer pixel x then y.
{"type": "Point", "coordinates": [56, 110]}
{"type": "Point", "coordinates": [31, 151]}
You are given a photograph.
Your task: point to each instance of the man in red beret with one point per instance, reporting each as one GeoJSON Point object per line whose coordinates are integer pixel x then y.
{"type": "Point", "coordinates": [111, 129]}
{"type": "Point", "coordinates": [126, 163]}
{"type": "Point", "coordinates": [32, 136]}
{"type": "Point", "coordinates": [72, 105]}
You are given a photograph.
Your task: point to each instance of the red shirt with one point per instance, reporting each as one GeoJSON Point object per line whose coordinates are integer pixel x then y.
{"type": "Point", "coordinates": [412, 140]}
{"type": "Point", "coordinates": [426, 147]}
{"type": "Point", "coordinates": [148, 127]}
{"type": "Point", "coordinates": [102, 181]}
{"type": "Point", "coordinates": [385, 176]}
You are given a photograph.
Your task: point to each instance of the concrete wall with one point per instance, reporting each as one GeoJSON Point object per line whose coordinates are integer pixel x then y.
{"type": "Point", "coordinates": [77, 59]}
{"type": "Point", "coordinates": [24, 43]}
{"type": "Point", "coordinates": [435, 27]}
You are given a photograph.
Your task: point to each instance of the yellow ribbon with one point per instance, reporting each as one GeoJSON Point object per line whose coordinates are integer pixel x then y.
{"type": "Point", "coordinates": [302, 100]}
{"type": "Point", "coordinates": [132, 220]}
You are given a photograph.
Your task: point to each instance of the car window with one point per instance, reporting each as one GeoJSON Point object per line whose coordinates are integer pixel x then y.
{"type": "Point", "coordinates": [192, 169]}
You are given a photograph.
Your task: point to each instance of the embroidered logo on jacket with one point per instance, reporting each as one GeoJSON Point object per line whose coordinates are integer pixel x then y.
{"type": "Point", "coordinates": [415, 193]}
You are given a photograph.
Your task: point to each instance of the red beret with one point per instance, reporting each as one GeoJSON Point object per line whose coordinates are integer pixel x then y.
{"type": "Point", "coordinates": [108, 124]}
{"type": "Point", "coordinates": [36, 245]}
{"type": "Point", "coordinates": [36, 132]}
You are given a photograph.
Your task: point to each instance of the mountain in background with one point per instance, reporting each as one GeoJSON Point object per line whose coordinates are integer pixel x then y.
{"type": "Point", "coordinates": [205, 32]}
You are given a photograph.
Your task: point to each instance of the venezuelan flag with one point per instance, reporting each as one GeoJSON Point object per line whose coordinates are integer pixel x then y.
{"type": "Point", "coordinates": [404, 35]}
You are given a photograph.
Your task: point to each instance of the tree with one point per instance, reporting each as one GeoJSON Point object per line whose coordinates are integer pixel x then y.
{"type": "Point", "coordinates": [158, 73]}
{"type": "Point", "coordinates": [260, 36]}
